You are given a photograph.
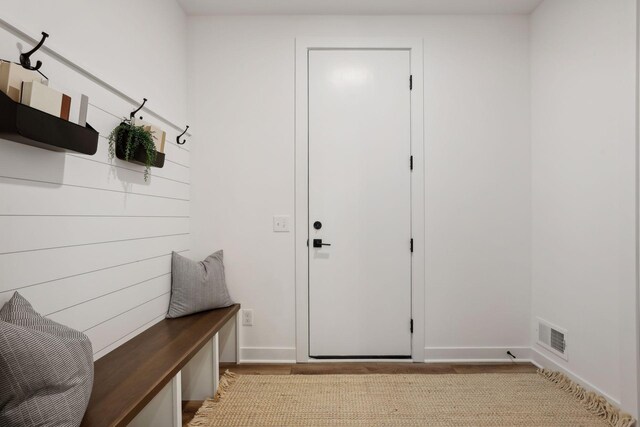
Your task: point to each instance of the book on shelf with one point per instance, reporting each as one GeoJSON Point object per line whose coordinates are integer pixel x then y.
{"type": "Point", "coordinates": [42, 97]}
{"type": "Point", "coordinates": [66, 107]}
{"type": "Point", "coordinates": [12, 76]}
{"type": "Point", "coordinates": [78, 107]}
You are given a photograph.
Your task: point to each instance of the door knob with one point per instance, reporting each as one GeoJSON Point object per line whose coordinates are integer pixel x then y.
{"type": "Point", "coordinates": [317, 243]}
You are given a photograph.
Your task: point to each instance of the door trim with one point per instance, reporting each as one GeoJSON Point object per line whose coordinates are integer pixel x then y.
{"type": "Point", "coordinates": [302, 48]}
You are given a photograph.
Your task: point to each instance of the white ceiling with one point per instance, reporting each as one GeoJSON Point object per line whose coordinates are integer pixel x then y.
{"type": "Point", "coordinates": [356, 7]}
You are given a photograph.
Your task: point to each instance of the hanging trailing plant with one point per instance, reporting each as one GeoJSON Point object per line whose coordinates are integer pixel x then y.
{"type": "Point", "coordinates": [127, 139]}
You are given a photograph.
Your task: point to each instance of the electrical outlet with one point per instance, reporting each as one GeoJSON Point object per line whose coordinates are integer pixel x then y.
{"type": "Point", "coordinates": [281, 223]}
{"type": "Point", "coordinates": [247, 317]}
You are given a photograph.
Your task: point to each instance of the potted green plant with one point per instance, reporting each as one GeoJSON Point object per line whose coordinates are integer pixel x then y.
{"type": "Point", "coordinates": [131, 142]}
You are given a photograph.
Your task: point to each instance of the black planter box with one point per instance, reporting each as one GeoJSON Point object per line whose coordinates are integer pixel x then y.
{"type": "Point", "coordinates": [140, 157]}
{"type": "Point", "coordinates": [26, 125]}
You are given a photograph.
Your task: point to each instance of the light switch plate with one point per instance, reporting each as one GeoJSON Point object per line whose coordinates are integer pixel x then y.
{"type": "Point", "coordinates": [281, 223]}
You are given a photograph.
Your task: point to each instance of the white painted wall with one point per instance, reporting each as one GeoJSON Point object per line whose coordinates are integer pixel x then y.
{"type": "Point", "coordinates": [583, 168]}
{"type": "Point", "coordinates": [87, 241]}
{"type": "Point", "coordinates": [477, 171]}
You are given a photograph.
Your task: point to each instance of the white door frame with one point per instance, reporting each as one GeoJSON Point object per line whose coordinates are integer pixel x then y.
{"type": "Point", "coordinates": [302, 47]}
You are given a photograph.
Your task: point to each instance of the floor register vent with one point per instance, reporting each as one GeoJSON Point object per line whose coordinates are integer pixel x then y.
{"type": "Point", "coordinates": [552, 338]}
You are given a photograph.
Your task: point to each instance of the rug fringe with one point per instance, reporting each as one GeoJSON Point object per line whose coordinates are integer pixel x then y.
{"type": "Point", "coordinates": [594, 403]}
{"type": "Point", "coordinates": [226, 380]}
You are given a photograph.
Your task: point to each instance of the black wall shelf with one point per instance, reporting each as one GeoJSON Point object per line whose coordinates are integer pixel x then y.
{"type": "Point", "coordinates": [140, 157]}
{"type": "Point", "coordinates": [26, 125]}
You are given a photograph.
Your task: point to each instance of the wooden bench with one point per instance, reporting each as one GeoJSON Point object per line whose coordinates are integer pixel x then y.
{"type": "Point", "coordinates": [127, 379]}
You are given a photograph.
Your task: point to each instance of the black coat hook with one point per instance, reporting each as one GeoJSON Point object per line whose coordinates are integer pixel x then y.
{"type": "Point", "coordinates": [178, 137]}
{"type": "Point", "coordinates": [25, 58]}
{"type": "Point", "coordinates": [133, 113]}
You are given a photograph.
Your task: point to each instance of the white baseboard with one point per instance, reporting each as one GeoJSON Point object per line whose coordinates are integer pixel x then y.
{"type": "Point", "coordinates": [432, 354]}
{"type": "Point", "coordinates": [475, 354]}
{"type": "Point", "coordinates": [543, 361]}
{"type": "Point", "coordinates": [267, 355]}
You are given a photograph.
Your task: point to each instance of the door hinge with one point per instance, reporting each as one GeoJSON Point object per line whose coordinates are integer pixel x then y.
{"type": "Point", "coordinates": [411, 82]}
{"type": "Point", "coordinates": [411, 326]}
{"type": "Point", "coordinates": [412, 245]}
{"type": "Point", "coordinates": [411, 162]}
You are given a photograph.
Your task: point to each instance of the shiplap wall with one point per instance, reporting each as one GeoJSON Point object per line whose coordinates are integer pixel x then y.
{"type": "Point", "coordinates": [85, 238]}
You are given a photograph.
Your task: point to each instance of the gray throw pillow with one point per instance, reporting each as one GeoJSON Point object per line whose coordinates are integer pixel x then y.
{"type": "Point", "coordinates": [197, 286]}
{"type": "Point", "coordinates": [46, 369]}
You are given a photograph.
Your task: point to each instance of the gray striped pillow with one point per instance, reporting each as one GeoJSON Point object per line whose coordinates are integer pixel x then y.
{"type": "Point", "coordinates": [46, 369]}
{"type": "Point", "coordinates": [197, 286]}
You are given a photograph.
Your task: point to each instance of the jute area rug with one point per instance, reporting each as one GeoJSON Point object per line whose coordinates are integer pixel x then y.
{"type": "Point", "coordinates": [513, 399]}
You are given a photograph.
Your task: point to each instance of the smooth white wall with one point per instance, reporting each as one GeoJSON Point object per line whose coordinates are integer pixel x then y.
{"type": "Point", "coordinates": [87, 240]}
{"type": "Point", "coordinates": [583, 178]}
{"type": "Point", "coordinates": [477, 171]}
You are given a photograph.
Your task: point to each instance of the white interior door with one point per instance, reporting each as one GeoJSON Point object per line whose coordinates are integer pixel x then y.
{"type": "Point", "coordinates": [360, 193]}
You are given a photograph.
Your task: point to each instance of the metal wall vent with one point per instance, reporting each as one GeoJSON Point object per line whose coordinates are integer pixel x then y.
{"type": "Point", "coordinates": [552, 338]}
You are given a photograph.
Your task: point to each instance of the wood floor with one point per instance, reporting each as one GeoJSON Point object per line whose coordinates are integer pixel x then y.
{"type": "Point", "coordinates": [190, 408]}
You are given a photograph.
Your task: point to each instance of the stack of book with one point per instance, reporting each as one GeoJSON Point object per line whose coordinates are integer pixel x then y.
{"type": "Point", "coordinates": [29, 88]}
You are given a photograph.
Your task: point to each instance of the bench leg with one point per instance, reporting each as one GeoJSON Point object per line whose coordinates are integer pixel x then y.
{"type": "Point", "coordinates": [176, 385]}
{"type": "Point", "coordinates": [238, 326]}
{"type": "Point", "coordinates": [216, 362]}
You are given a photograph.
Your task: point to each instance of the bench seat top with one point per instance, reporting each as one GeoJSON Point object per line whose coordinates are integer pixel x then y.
{"type": "Point", "coordinates": [127, 378]}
